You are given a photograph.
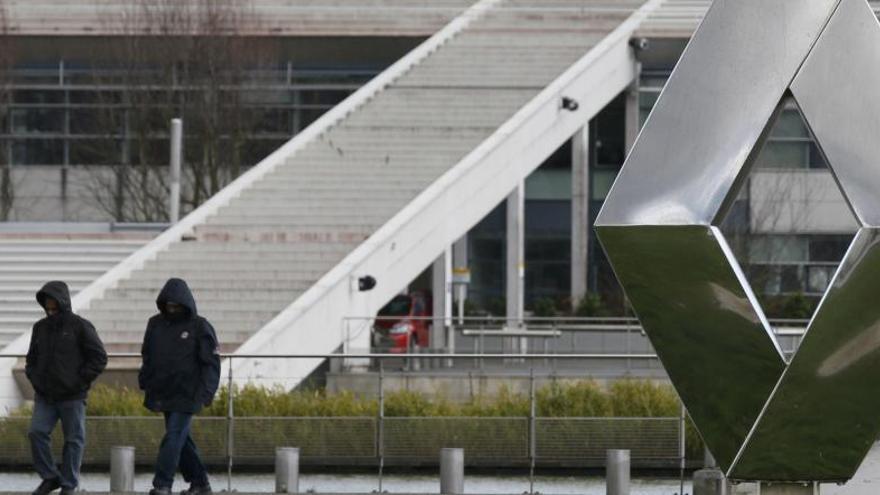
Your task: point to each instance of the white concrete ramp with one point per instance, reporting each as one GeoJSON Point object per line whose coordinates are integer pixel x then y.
{"type": "Point", "coordinates": [380, 185]}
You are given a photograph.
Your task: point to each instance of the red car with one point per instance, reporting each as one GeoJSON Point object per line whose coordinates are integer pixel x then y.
{"type": "Point", "coordinates": [403, 323]}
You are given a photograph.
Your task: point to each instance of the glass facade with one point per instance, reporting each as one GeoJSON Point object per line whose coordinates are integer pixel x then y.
{"type": "Point", "coordinates": [64, 116]}
{"type": "Point", "coordinates": [548, 224]}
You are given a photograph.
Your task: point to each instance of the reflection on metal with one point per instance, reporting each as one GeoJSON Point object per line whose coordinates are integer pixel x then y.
{"type": "Point", "coordinates": [823, 417]}
{"type": "Point", "coordinates": [837, 96]}
{"type": "Point", "coordinates": [814, 419]}
{"type": "Point", "coordinates": [696, 308]}
{"type": "Point", "coordinates": [713, 110]}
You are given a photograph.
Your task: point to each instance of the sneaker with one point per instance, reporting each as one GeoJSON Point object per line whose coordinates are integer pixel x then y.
{"type": "Point", "coordinates": [67, 491]}
{"type": "Point", "coordinates": [164, 490]}
{"type": "Point", "coordinates": [198, 490]}
{"type": "Point", "coordinates": [47, 487]}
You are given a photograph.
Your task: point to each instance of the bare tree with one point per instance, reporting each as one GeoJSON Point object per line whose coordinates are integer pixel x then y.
{"type": "Point", "coordinates": [7, 61]}
{"type": "Point", "coordinates": [195, 59]}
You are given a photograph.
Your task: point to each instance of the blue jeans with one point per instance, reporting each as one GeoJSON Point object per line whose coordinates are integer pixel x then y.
{"type": "Point", "coordinates": [179, 450]}
{"type": "Point", "coordinates": [72, 414]}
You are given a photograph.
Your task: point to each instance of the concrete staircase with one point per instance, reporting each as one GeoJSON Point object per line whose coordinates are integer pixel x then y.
{"type": "Point", "coordinates": [380, 185]}
{"type": "Point", "coordinates": [29, 261]}
{"type": "Point", "coordinates": [257, 254]}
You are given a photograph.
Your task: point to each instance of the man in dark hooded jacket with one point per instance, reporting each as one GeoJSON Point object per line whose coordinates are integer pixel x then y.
{"type": "Point", "coordinates": [179, 375]}
{"type": "Point", "coordinates": [64, 358]}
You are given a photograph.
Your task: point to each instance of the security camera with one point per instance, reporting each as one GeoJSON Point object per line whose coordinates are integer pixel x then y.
{"type": "Point", "coordinates": [570, 104]}
{"type": "Point", "coordinates": [366, 283]}
{"type": "Point", "coordinates": [639, 44]}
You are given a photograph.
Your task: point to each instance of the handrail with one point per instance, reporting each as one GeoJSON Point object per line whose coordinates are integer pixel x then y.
{"type": "Point", "coordinates": [510, 333]}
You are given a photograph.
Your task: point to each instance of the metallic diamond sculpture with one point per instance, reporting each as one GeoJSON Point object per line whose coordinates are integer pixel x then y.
{"type": "Point", "coordinates": [815, 418]}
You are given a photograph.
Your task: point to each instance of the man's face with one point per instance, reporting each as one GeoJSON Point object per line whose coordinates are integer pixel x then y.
{"type": "Point", "coordinates": [173, 308]}
{"type": "Point", "coordinates": [51, 306]}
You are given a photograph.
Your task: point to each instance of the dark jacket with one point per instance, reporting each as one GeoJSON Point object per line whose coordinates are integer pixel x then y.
{"type": "Point", "coordinates": [181, 362]}
{"type": "Point", "coordinates": [66, 354]}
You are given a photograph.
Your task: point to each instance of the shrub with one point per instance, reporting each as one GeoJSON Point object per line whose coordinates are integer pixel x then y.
{"type": "Point", "coordinates": [583, 398]}
{"type": "Point", "coordinates": [591, 305]}
{"type": "Point", "coordinates": [544, 307]}
{"type": "Point", "coordinates": [579, 399]}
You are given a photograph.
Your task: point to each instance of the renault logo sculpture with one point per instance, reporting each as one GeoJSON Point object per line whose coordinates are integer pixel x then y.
{"type": "Point", "coordinates": [813, 418]}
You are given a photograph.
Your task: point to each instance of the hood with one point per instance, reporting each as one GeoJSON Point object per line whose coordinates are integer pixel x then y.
{"type": "Point", "coordinates": [57, 290]}
{"type": "Point", "coordinates": [176, 291]}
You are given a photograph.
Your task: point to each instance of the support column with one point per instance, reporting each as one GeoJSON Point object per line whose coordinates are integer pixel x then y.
{"type": "Point", "coordinates": [441, 275]}
{"type": "Point", "coordinates": [580, 213]}
{"type": "Point", "coordinates": [461, 274]}
{"type": "Point", "coordinates": [632, 117]}
{"type": "Point", "coordinates": [515, 255]}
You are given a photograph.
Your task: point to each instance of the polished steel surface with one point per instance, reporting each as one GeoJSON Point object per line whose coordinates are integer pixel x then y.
{"type": "Point", "coordinates": [838, 97]}
{"type": "Point", "coordinates": [825, 413]}
{"type": "Point", "coordinates": [815, 419]}
{"type": "Point", "coordinates": [712, 112]}
{"type": "Point", "coordinates": [697, 309]}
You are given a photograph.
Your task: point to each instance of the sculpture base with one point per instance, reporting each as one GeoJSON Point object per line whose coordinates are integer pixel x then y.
{"type": "Point", "coordinates": [788, 489]}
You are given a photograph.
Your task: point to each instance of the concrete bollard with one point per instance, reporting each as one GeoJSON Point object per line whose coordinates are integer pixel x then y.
{"type": "Point", "coordinates": [711, 481]}
{"type": "Point", "coordinates": [451, 471]}
{"type": "Point", "coordinates": [287, 470]}
{"type": "Point", "coordinates": [122, 469]}
{"type": "Point", "coordinates": [617, 472]}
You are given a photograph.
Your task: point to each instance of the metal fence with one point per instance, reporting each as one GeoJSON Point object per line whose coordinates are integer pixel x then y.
{"type": "Point", "coordinates": [527, 441]}
{"type": "Point", "coordinates": [415, 441]}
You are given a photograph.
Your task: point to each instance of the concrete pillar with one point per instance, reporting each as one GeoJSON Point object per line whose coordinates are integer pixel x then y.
{"type": "Point", "coordinates": [122, 469]}
{"type": "Point", "coordinates": [789, 489]}
{"type": "Point", "coordinates": [632, 118]}
{"type": "Point", "coordinates": [711, 481]}
{"type": "Point", "coordinates": [176, 159]}
{"type": "Point", "coordinates": [441, 283]}
{"type": "Point", "coordinates": [287, 470]}
{"type": "Point", "coordinates": [580, 212]}
{"type": "Point", "coordinates": [451, 471]}
{"type": "Point", "coordinates": [516, 259]}
{"type": "Point", "coordinates": [617, 472]}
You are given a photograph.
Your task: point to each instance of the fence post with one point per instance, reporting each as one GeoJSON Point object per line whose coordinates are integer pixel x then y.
{"type": "Point", "coordinates": [617, 472]}
{"type": "Point", "coordinates": [122, 469]}
{"type": "Point", "coordinates": [532, 449]}
{"type": "Point", "coordinates": [451, 471]}
{"type": "Point", "coordinates": [682, 447]}
{"type": "Point", "coordinates": [287, 470]}
{"type": "Point", "coordinates": [380, 427]}
{"type": "Point", "coordinates": [230, 418]}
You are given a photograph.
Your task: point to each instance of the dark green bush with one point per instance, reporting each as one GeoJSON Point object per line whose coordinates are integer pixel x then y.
{"type": "Point", "coordinates": [544, 307]}
{"type": "Point", "coordinates": [591, 305]}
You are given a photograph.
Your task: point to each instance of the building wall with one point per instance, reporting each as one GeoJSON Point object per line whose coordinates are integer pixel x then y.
{"type": "Point", "coordinates": [798, 201]}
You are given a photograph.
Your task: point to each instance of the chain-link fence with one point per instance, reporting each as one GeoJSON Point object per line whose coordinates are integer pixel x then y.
{"type": "Point", "coordinates": [327, 441]}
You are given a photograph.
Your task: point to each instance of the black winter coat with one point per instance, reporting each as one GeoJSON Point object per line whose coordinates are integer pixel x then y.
{"type": "Point", "coordinates": [181, 362]}
{"type": "Point", "coordinates": [65, 355]}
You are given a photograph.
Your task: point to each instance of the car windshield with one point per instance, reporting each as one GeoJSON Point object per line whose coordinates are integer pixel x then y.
{"type": "Point", "coordinates": [399, 306]}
